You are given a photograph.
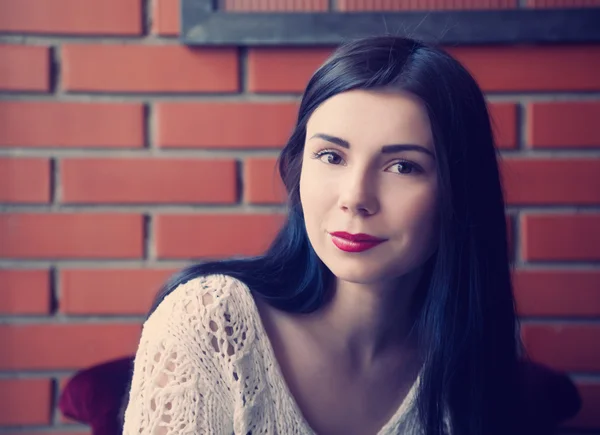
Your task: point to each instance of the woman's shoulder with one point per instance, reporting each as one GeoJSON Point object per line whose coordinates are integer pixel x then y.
{"type": "Point", "coordinates": [203, 290]}
{"type": "Point", "coordinates": [209, 305]}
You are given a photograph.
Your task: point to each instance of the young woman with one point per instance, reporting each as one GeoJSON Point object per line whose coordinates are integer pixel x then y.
{"type": "Point", "coordinates": [384, 305]}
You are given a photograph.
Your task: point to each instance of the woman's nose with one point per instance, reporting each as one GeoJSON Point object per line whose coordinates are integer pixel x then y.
{"type": "Point", "coordinates": [358, 194]}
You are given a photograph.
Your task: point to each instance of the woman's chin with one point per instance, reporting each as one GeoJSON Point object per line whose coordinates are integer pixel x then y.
{"type": "Point", "coordinates": [359, 274]}
{"type": "Point", "coordinates": [371, 272]}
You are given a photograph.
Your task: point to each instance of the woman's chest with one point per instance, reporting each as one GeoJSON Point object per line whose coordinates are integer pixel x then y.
{"type": "Point", "coordinates": [326, 394]}
{"type": "Point", "coordinates": [334, 397]}
{"type": "Point", "coordinates": [334, 400]}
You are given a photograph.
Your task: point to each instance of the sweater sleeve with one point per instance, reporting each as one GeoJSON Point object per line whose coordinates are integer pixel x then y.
{"type": "Point", "coordinates": [173, 386]}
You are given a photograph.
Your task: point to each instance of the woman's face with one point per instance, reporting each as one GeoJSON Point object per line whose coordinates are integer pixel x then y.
{"type": "Point", "coordinates": [369, 169]}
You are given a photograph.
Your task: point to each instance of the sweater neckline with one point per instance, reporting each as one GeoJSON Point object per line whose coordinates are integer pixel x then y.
{"type": "Point", "coordinates": [387, 429]}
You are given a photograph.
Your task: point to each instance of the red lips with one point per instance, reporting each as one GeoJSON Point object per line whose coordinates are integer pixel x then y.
{"type": "Point", "coordinates": [354, 242]}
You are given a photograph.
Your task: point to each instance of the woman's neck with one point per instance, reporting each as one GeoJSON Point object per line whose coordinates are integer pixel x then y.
{"type": "Point", "coordinates": [368, 322]}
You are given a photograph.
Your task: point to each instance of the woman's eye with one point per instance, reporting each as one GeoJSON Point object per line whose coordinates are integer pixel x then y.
{"type": "Point", "coordinates": [403, 168]}
{"type": "Point", "coordinates": [330, 158]}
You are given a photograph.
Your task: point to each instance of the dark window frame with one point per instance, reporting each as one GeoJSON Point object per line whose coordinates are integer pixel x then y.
{"type": "Point", "coordinates": [202, 23]}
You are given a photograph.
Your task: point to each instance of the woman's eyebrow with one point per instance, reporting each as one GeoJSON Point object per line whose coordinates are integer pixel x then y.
{"type": "Point", "coordinates": [406, 147]}
{"type": "Point", "coordinates": [336, 140]}
{"type": "Point", "coordinates": [385, 149]}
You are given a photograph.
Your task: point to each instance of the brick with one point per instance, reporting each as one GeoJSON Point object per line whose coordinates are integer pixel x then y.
{"type": "Point", "coordinates": [24, 180]}
{"type": "Point", "coordinates": [54, 124]}
{"type": "Point", "coordinates": [65, 346]}
{"type": "Point", "coordinates": [557, 293]}
{"type": "Point", "coordinates": [522, 68]}
{"type": "Point", "coordinates": [588, 417]}
{"type": "Point", "coordinates": [166, 16]}
{"type": "Point", "coordinates": [563, 3]}
{"type": "Point", "coordinates": [389, 5]}
{"type": "Point", "coordinates": [510, 246]}
{"type": "Point", "coordinates": [214, 236]}
{"type": "Point", "coordinates": [25, 401]}
{"type": "Point", "coordinates": [561, 237]}
{"type": "Point", "coordinates": [551, 181]}
{"type": "Point", "coordinates": [24, 68]}
{"type": "Point", "coordinates": [24, 292]}
{"type": "Point", "coordinates": [525, 68]}
{"type": "Point", "coordinates": [504, 124]}
{"type": "Point", "coordinates": [117, 291]}
{"type": "Point", "coordinates": [564, 124]}
{"type": "Point", "coordinates": [64, 235]}
{"type": "Point", "coordinates": [263, 184]}
{"type": "Point", "coordinates": [72, 17]}
{"type": "Point", "coordinates": [225, 125]}
{"type": "Point", "coordinates": [283, 70]}
{"type": "Point", "coordinates": [279, 5]}
{"type": "Point", "coordinates": [47, 432]}
{"type": "Point", "coordinates": [147, 68]}
{"type": "Point", "coordinates": [565, 347]}
{"type": "Point", "coordinates": [148, 181]}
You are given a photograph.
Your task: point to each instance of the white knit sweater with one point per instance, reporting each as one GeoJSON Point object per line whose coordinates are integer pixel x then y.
{"type": "Point", "coordinates": [205, 366]}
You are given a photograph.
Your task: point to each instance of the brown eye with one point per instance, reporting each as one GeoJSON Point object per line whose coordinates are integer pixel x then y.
{"type": "Point", "coordinates": [404, 168]}
{"type": "Point", "coordinates": [329, 157]}
{"type": "Point", "coordinates": [334, 159]}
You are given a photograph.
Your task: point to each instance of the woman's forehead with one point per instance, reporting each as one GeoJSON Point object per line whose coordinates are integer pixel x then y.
{"type": "Point", "coordinates": [376, 117]}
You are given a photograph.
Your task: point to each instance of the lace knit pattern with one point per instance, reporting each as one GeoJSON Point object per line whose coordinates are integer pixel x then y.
{"type": "Point", "coordinates": [204, 365]}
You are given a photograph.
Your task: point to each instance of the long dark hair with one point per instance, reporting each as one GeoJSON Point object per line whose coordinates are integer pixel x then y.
{"type": "Point", "coordinates": [466, 324]}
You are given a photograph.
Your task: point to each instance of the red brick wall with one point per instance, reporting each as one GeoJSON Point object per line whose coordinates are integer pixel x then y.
{"type": "Point", "coordinates": [124, 154]}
